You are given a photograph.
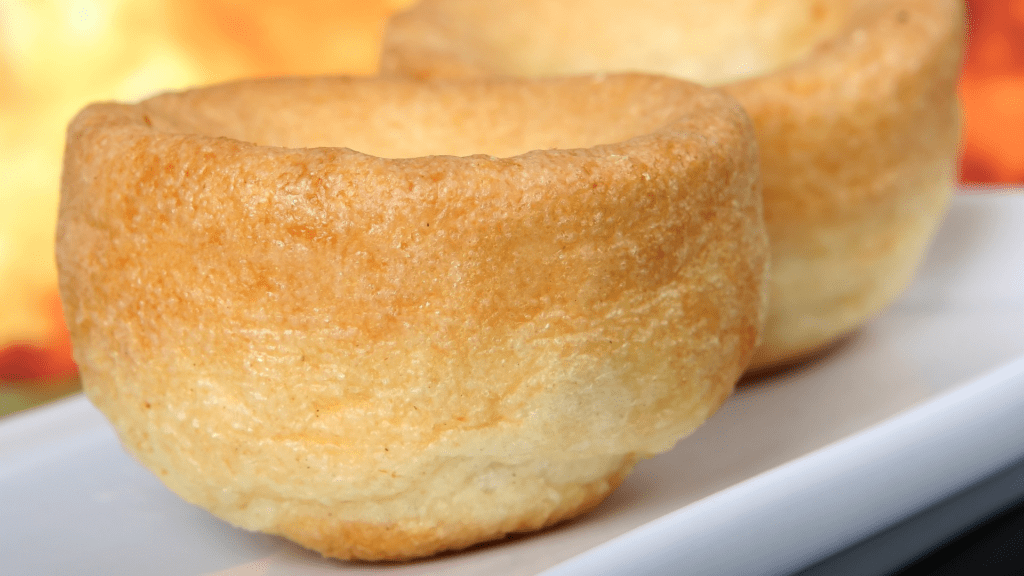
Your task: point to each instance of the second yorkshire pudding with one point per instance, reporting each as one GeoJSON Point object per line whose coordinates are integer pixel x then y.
{"type": "Point", "coordinates": [853, 103]}
{"type": "Point", "coordinates": [471, 326]}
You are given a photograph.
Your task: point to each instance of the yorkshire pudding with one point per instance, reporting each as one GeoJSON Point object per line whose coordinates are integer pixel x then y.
{"type": "Point", "coordinates": [389, 352]}
{"type": "Point", "coordinates": [853, 103]}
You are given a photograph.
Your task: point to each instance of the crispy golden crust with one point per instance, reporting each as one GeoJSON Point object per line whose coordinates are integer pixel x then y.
{"type": "Point", "coordinates": [385, 358]}
{"type": "Point", "coordinates": [853, 103]}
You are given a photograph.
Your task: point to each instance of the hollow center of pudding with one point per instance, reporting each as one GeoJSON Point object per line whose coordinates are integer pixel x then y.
{"type": "Point", "coordinates": [711, 42]}
{"type": "Point", "coordinates": [401, 119]}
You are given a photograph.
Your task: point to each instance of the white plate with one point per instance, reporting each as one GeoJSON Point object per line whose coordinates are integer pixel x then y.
{"type": "Point", "coordinates": [924, 401]}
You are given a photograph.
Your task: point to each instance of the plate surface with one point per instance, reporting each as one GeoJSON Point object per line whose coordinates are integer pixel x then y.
{"type": "Point", "coordinates": [923, 401]}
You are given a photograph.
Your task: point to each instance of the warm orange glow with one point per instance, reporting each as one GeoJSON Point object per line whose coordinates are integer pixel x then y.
{"type": "Point", "coordinates": [274, 37]}
{"type": "Point", "coordinates": [58, 55]}
{"type": "Point", "coordinates": [992, 92]}
{"type": "Point", "coordinates": [49, 358]}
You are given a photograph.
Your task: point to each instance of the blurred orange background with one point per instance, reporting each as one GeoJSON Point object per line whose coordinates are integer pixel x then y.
{"type": "Point", "coordinates": [58, 55]}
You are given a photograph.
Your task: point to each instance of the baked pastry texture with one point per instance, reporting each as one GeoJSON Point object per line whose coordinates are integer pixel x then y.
{"type": "Point", "coordinates": [386, 318]}
{"type": "Point", "coordinates": [853, 103]}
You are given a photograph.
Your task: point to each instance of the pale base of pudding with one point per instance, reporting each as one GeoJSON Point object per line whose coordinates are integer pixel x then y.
{"type": "Point", "coordinates": [825, 289]}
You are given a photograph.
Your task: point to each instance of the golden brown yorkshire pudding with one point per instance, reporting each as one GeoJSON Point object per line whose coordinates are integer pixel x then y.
{"type": "Point", "coordinates": [389, 352]}
{"type": "Point", "coordinates": [853, 103]}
